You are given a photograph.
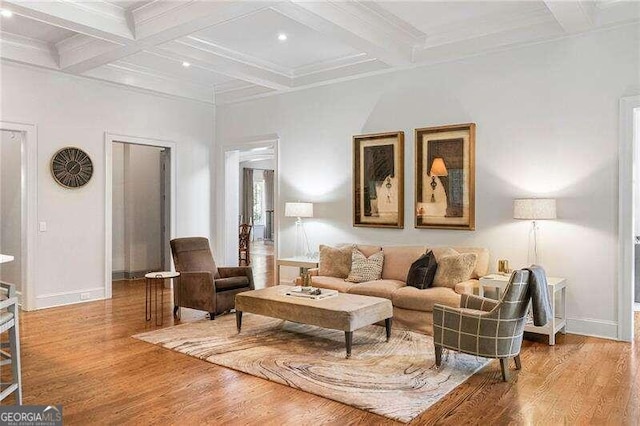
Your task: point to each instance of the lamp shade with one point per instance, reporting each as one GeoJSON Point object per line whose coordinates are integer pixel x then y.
{"type": "Point", "coordinates": [534, 208]}
{"type": "Point", "coordinates": [298, 209]}
{"type": "Point", "coordinates": [438, 167]}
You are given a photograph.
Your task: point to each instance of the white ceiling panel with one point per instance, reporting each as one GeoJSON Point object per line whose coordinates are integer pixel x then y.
{"type": "Point", "coordinates": [233, 46]}
{"type": "Point", "coordinates": [172, 67]}
{"type": "Point", "coordinates": [257, 35]}
{"type": "Point", "coordinates": [439, 16]}
{"type": "Point", "coordinates": [34, 29]}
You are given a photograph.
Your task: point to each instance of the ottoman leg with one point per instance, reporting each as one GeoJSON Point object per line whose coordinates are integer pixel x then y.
{"type": "Point", "coordinates": [387, 325]}
{"type": "Point", "coordinates": [348, 338]}
{"type": "Point", "coordinates": [238, 320]}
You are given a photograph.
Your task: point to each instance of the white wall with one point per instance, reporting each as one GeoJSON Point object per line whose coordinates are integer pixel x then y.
{"type": "Point", "coordinates": [137, 222]}
{"type": "Point", "coordinates": [69, 110]}
{"type": "Point", "coordinates": [10, 207]}
{"type": "Point", "coordinates": [547, 119]}
{"type": "Point", "coordinates": [636, 169]}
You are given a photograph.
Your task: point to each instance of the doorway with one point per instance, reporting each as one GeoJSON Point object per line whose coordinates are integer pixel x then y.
{"type": "Point", "coordinates": [250, 194]}
{"type": "Point", "coordinates": [18, 196]}
{"type": "Point", "coordinates": [628, 220]}
{"type": "Point", "coordinates": [140, 207]}
{"type": "Point", "coordinates": [11, 196]}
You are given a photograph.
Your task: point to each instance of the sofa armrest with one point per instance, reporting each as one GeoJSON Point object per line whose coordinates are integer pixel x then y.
{"type": "Point", "coordinates": [237, 271]}
{"type": "Point", "coordinates": [467, 287]}
{"type": "Point", "coordinates": [470, 301]}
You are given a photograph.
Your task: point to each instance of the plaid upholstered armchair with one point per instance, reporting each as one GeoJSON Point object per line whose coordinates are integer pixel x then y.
{"type": "Point", "coordinates": [485, 327]}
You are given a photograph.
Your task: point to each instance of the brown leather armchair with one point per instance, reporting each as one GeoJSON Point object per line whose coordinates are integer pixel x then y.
{"type": "Point", "coordinates": [203, 285]}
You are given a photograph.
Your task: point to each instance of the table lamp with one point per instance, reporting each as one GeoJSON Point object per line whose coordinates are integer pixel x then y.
{"type": "Point", "coordinates": [534, 209]}
{"type": "Point", "coordinates": [300, 210]}
{"type": "Point", "coordinates": [438, 168]}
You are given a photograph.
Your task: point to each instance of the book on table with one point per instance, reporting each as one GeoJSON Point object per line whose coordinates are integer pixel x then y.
{"type": "Point", "coordinates": [311, 293]}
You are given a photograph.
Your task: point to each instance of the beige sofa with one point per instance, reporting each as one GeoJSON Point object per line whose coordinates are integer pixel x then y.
{"type": "Point", "coordinates": [412, 307]}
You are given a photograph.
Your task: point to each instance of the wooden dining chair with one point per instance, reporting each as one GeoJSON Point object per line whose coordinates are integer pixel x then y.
{"type": "Point", "coordinates": [244, 246]}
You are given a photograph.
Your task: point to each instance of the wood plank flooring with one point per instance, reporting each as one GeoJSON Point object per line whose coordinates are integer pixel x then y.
{"type": "Point", "coordinates": [83, 357]}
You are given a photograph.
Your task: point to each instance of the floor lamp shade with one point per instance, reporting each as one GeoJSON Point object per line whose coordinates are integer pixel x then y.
{"type": "Point", "coordinates": [534, 208]}
{"type": "Point", "coordinates": [298, 209]}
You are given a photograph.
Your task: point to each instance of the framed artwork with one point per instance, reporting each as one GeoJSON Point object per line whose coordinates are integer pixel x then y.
{"type": "Point", "coordinates": [378, 180]}
{"type": "Point", "coordinates": [445, 177]}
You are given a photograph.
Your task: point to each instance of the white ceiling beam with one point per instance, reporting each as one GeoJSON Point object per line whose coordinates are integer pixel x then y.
{"type": "Point", "coordinates": [84, 18]}
{"type": "Point", "coordinates": [365, 32]}
{"type": "Point", "coordinates": [28, 51]}
{"type": "Point", "coordinates": [224, 65]}
{"type": "Point", "coordinates": [573, 16]}
{"type": "Point", "coordinates": [138, 77]}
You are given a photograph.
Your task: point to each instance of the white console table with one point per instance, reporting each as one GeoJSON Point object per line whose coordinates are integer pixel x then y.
{"type": "Point", "coordinates": [304, 263]}
{"type": "Point", "coordinates": [557, 294]}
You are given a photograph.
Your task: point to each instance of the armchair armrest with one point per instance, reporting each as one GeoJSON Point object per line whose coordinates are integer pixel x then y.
{"type": "Point", "coordinates": [470, 301]}
{"type": "Point", "coordinates": [9, 302]}
{"type": "Point", "coordinates": [467, 287]}
{"type": "Point", "coordinates": [237, 271]}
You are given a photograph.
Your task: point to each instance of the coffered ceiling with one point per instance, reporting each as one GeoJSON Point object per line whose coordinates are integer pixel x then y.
{"type": "Point", "coordinates": [223, 51]}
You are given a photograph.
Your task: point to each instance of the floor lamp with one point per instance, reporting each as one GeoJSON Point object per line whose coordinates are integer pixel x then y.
{"type": "Point", "coordinates": [534, 209]}
{"type": "Point", "coordinates": [300, 210]}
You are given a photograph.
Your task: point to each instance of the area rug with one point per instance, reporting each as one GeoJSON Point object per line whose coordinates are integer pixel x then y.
{"type": "Point", "coordinates": [395, 379]}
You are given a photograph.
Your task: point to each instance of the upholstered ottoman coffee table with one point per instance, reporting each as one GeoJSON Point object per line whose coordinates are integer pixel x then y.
{"type": "Point", "coordinates": [345, 312]}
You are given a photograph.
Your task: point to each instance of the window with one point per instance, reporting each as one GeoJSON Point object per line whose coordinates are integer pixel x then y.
{"type": "Point", "coordinates": [258, 203]}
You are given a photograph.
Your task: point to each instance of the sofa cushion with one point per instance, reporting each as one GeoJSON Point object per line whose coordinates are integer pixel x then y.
{"type": "Point", "coordinates": [378, 288]}
{"type": "Point", "coordinates": [368, 250]}
{"type": "Point", "coordinates": [454, 269]}
{"type": "Point", "coordinates": [332, 283]}
{"type": "Point", "coordinates": [422, 271]}
{"type": "Point", "coordinates": [439, 252]}
{"type": "Point", "coordinates": [398, 260]}
{"type": "Point", "coordinates": [365, 268]}
{"type": "Point", "coordinates": [423, 300]}
{"type": "Point", "coordinates": [335, 261]}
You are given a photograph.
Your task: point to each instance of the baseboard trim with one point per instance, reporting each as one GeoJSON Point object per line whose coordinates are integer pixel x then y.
{"type": "Point", "coordinates": [131, 275]}
{"type": "Point", "coordinates": [69, 297]}
{"type": "Point", "coordinates": [593, 328]}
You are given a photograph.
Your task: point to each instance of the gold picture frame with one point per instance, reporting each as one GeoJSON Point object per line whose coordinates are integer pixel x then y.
{"type": "Point", "coordinates": [445, 177]}
{"type": "Point", "coordinates": [378, 180]}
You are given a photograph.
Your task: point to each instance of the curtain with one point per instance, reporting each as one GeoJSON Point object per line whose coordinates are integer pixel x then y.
{"type": "Point", "coordinates": [247, 196]}
{"type": "Point", "coordinates": [268, 203]}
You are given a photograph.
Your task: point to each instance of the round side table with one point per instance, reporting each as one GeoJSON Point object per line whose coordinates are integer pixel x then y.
{"type": "Point", "coordinates": [154, 279]}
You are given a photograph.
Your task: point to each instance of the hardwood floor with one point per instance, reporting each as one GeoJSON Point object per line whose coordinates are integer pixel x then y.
{"type": "Point", "coordinates": [83, 357]}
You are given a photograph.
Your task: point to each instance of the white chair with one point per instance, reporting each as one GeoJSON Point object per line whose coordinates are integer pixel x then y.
{"type": "Point", "coordinates": [9, 322]}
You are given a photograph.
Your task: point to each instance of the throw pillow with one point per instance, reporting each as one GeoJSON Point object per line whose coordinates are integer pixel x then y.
{"type": "Point", "coordinates": [422, 271]}
{"type": "Point", "coordinates": [335, 261]}
{"type": "Point", "coordinates": [454, 269]}
{"type": "Point", "coordinates": [365, 268]}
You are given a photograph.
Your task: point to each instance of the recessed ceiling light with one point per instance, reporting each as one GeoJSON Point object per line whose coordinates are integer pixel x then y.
{"type": "Point", "coordinates": [6, 13]}
{"type": "Point", "coordinates": [263, 148]}
{"type": "Point", "coordinates": [186, 64]}
{"type": "Point", "coordinates": [282, 37]}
